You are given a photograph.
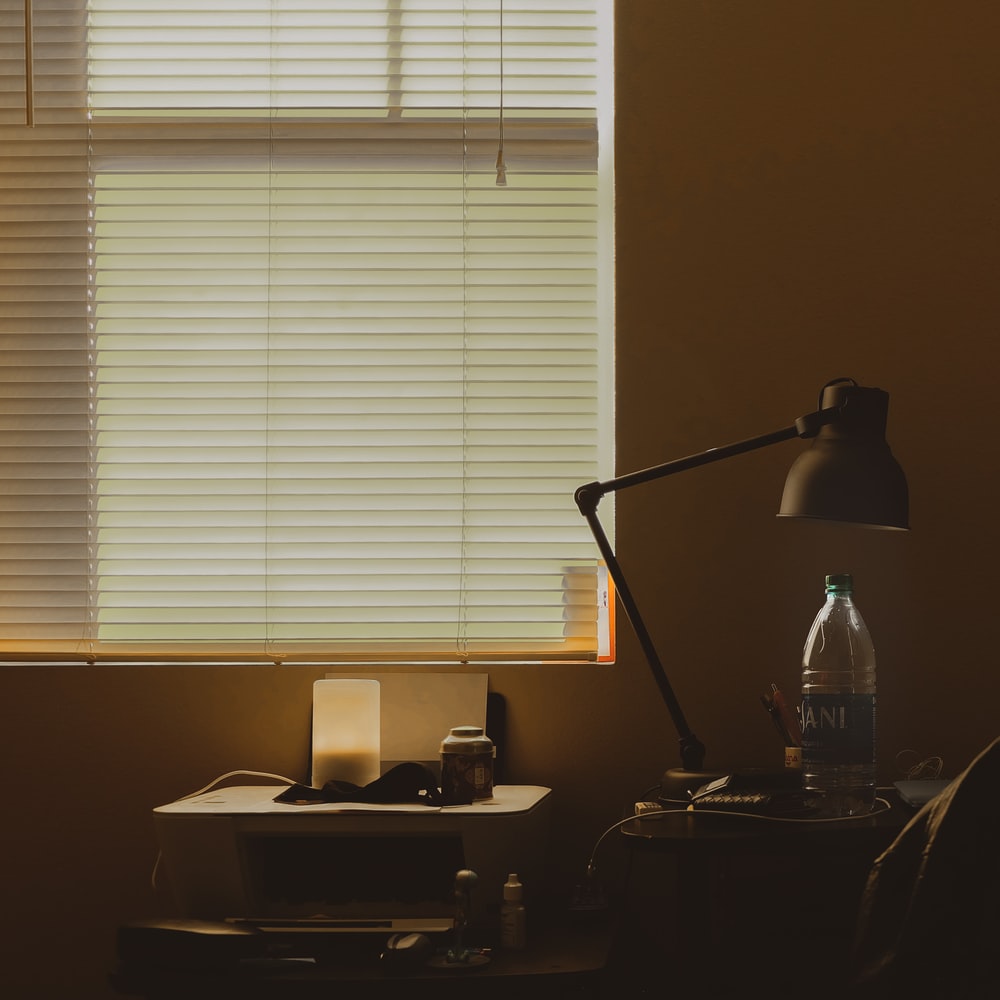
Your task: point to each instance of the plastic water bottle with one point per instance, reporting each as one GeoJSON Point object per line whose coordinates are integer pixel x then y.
{"type": "Point", "coordinates": [838, 705]}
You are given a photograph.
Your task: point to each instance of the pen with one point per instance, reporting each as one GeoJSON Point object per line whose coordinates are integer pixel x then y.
{"type": "Point", "coordinates": [772, 710]}
{"type": "Point", "coordinates": [788, 721]}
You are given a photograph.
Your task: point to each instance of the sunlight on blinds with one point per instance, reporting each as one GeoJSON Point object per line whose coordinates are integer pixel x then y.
{"type": "Point", "coordinates": [338, 387]}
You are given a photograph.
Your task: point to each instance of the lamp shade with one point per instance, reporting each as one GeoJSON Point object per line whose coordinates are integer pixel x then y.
{"type": "Point", "coordinates": [848, 472]}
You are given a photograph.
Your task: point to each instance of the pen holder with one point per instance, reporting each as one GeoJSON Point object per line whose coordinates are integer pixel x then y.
{"type": "Point", "coordinates": [347, 732]}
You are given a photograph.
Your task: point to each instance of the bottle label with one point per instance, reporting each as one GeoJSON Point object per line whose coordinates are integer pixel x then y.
{"type": "Point", "coordinates": [838, 729]}
{"type": "Point", "coordinates": [466, 777]}
{"type": "Point", "coordinates": [512, 925]}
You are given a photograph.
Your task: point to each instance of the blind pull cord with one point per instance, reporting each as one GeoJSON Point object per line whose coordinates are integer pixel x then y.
{"type": "Point", "coordinates": [29, 67]}
{"type": "Point", "coordinates": [501, 166]}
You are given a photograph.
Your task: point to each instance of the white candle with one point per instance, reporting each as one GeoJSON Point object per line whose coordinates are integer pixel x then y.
{"type": "Point", "coordinates": [346, 737]}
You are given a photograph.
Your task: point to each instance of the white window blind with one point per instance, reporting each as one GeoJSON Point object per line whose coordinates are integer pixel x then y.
{"type": "Point", "coordinates": [286, 374]}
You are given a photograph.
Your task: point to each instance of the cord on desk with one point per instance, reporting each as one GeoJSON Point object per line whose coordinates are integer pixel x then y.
{"type": "Point", "coordinates": [880, 805]}
{"type": "Point", "coordinates": [212, 784]}
{"type": "Point", "coordinates": [234, 774]}
{"type": "Point", "coordinates": [927, 768]}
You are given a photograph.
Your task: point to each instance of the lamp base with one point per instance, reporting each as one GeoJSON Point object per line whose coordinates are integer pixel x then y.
{"type": "Point", "coordinates": [678, 783]}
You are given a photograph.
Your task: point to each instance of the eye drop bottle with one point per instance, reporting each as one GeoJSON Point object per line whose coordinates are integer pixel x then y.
{"type": "Point", "coordinates": [513, 923]}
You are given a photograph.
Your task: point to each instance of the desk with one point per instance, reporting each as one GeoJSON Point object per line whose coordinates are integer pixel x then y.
{"type": "Point", "coordinates": [748, 890]}
{"type": "Point", "coordinates": [738, 891]}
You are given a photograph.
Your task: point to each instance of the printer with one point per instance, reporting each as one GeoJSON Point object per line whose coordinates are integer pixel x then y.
{"type": "Point", "coordinates": [234, 853]}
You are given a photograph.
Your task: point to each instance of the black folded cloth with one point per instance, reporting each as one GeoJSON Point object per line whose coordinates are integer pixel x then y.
{"type": "Point", "coordinates": [402, 783]}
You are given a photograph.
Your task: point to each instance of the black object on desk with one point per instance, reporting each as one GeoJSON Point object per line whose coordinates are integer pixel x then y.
{"type": "Point", "coordinates": [918, 792]}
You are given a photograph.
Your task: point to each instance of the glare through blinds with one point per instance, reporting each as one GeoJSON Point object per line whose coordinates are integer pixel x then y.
{"type": "Point", "coordinates": [340, 385]}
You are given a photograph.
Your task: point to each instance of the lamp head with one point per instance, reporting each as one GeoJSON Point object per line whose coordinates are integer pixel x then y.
{"type": "Point", "coordinates": [848, 472]}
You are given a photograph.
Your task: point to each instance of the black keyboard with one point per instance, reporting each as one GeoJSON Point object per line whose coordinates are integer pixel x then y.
{"type": "Point", "coordinates": [735, 801]}
{"type": "Point", "coordinates": [721, 796]}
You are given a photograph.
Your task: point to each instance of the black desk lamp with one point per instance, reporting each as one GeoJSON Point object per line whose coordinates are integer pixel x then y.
{"type": "Point", "coordinates": [847, 474]}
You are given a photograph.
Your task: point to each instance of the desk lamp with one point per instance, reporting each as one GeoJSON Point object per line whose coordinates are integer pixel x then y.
{"type": "Point", "coordinates": [847, 474]}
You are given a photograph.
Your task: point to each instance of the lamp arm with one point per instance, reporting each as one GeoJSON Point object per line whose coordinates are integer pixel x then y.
{"type": "Point", "coordinates": [692, 750]}
{"type": "Point", "coordinates": [589, 496]}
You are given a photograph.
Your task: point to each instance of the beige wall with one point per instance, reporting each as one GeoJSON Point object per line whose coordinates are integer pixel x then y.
{"type": "Point", "coordinates": [805, 190]}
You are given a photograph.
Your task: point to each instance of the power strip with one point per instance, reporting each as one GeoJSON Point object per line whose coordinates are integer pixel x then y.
{"type": "Point", "coordinates": [642, 808]}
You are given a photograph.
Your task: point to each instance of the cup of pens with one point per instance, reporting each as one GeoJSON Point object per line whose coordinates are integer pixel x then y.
{"type": "Point", "coordinates": [787, 726]}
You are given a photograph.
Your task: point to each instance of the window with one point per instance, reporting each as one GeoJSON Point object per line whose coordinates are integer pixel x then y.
{"type": "Point", "coordinates": [288, 372]}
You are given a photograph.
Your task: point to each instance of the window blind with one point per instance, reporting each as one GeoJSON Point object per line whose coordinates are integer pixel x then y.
{"type": "Point", "coordinates": [288, 375]}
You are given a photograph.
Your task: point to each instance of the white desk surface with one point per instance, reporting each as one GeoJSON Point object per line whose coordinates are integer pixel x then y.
{"type": "Point", "coordinates": [259, 799]}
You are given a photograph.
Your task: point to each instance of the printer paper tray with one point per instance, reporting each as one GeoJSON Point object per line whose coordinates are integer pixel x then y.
{"type": "Point", "coordinates": [335, 925]}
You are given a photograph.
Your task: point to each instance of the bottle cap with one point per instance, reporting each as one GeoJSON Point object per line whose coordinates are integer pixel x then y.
{"type": "Point", "coordinates": [839, 583]}
{"type": "Point", "coordinates": [466, 732]}
{"type": "Point", "coordinates": [512, 888]}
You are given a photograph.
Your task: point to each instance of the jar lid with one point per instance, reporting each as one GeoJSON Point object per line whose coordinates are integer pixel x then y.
{"type": "Point", "coordinates": [467, 739]}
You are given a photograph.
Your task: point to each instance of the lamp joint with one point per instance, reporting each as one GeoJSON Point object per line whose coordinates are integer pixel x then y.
{"type": "Point", "coordinates": [587, 498]}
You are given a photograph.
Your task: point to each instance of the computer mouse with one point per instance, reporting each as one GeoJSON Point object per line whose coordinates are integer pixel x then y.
{"type": "Point", "coordinates": [407, 950]}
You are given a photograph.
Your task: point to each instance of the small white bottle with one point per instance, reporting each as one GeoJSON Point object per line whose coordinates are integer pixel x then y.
{"type": "Point", "coordinates": [513, 922]}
